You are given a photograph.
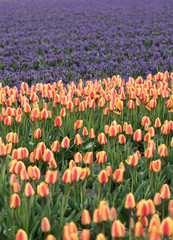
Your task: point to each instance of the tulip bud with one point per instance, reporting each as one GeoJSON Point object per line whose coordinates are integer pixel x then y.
{"type": "Point", "coordinates": [65, 142]}
{"type": "Point", "coordinates": [137, 136]}
{"type": "Point", "coordinates": [112, 214]}
{"type": "Point", "coordinates": [165, 192]}
{"type": "Point", "coordinates": [92, 133]}
{"type": "Point", "coordinates": [16, 187]}
{"type": "Point", "coordinates": [101, 157]}
{"type": "Point", "coordinates": [85, 234]}
{"type": "Point", "coordinates": [88, 158]}
{"type": "Point", "coordinates": [109, 171]}
{"type": "Point", "coordinates": [67, 176]}
{"type": "Point", "coordinates": [86, 219]}
{"type": "Point", "coordinates": [100, 236]}
{"type": "Point", "coordinates": [55, 146]}
{"type": "Point", "coordinates": [103, 178]}
{"type": "Point", "coordinates": [166, 227]}
{"type": "Point", "coordinates": [14, 201]}
{"type": "Point", "coordinates": [78, 157]}
{"type": "Point", "coordinates": [78, 140]}
{"type": "Point", "coordinates": [21, 235]}
{"type": "Point", "coordinates": [118, 175]}
{"type": "Point", "coordinates": [117, 230]}
{"type": "Point", "coordinates": [155, 166]}
{"type": "Point", "coordinates": [154, 233]}
{"type": "Point", "coordinates": [139, 231]}
{"type": "Point", "coordinates": [157, 199]}
{"type": "Point", "coordinates": [130, 201]}
{"type": "Point", "coordinates": [29, 191]}
{"type": "Point", "coordinates": [102, 139]}
{"type": "Point", "coordinates": [162, 150]}
{"type": "Point", "coordinates": [78, 125]}
{"type": "Point", "coordinates": [50, 237]}
{"type": "Point", "coordinates": [58, 121]}
{"type": "Point", "coordinates": [42, 189]}
{"type": "Point", "coordinates": [37, 133]}
{"type": "Point", "coordinates": [157, 123]}
{"type": "Point", "coordinates": [45, 225]}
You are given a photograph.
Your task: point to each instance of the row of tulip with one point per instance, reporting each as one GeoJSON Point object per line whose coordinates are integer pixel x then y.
{"type": "Point", "coordinates": [79, 147]}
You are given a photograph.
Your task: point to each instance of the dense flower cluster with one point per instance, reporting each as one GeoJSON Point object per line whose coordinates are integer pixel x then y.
{"type": "Point", "coordinates": [69, 40]}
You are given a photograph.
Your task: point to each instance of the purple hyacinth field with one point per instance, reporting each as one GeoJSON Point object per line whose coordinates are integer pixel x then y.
{"type": "Point", "coordinates": [86, 119]}
{"type": "Point", "coordinates": [45, 41]}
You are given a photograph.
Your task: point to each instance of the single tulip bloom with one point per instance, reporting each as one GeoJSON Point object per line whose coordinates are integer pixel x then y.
{"type": "Point", "coordinates": [78, 125]}
{"type": "Point", "coordinates": [51, 177]}
{"type": "Point", "coordinates": [85, 132]}
{"type": "Point", "coordinates": [130, 201]}
{"type": "Point", "coordinates": [154, 233]}
{"type": "Point", "coordinates": [137, 136]}
{"type": "Point", "coordinates": [145, 120]}
{"type": "Point", "coordinates": [142, 208]}
{"type": "Point", "coordinates": [50, 237]}
{"type": "Point", "coordinates": [96, 216]}
{"type": "Point", "coordinates": [139, 231]}
{"type": "Point", "coordinates": [109, 171]}
{"type": "Point", "coordinates": [88, 158]}
{"type": "Point", "coordinates": [65, 142]}
{"type": "Point", "coordinates": [85, 234]}
{"type": "Point", "coordinates": [100, 236]}
{"type": "Point", "coordinates": [102, 138]}
{"type": "Point", "coordinates": [165, 192]}
{"type": "Point", "coordinates": [48, 155]}
{"type": "Point", "coordinates": [117, 230]}
{"type": "Point", "coordinates": [29, 191]}
{"type": "Point", "coordinates": [149, 153]}
{"type": "Point", "coordinates": [42, 189]}
{"type": "Point", "coordinates": [92, 133]}
{"type": "Point", "coordinates": [144, 221]}
{"type": "Point", "coordinates": [21, 235]}
{"type": "Point", "coordinates": [58, 121]}
{"type": "Point", "coordinates": [16, 187]}
{"type": "Point", "coordinates": [84, 173]}
{"type": "Point", "coordinates": [155, 166]}
{"type": "Point", "coordinates": [166, 227]}
{"type": "Point", "coordinates": [157, 123]}
{"type": "Point", "coordinates": [86, 219]}
{"type": "Point", "coordinates": [118, 175]}
{"type": "Point", "coordinates": [14, 201]}
{"type": "Point", "coordinates": [162, 150]}
{"type": "Point", "coordinates": [37, 133]}
{"type": "Point", "coordinates": [78, 157]}
{"type": "Point", "coordinates": [112, 214]}
{"type": "Point", "coordinates": [101, 157]}
{"type": "Point", "coordinates": [103, 177]}
{"type": "Point", "coordinates": [157, 199]}
{"type": "Point", "coordinates": [121, 139]}
{"type": "Point", "coordinates": [67, 176]}
{"type": "Point", "coordinates": [78, 140]}
{"type": "Point", "coordinates": [55, 146]}
{"type": "Point", "coordinates": [45, 225]}
{"type": "Point", "coordinates": [112, 131]}
{"type": "Point", "coordinates": [151, 207]}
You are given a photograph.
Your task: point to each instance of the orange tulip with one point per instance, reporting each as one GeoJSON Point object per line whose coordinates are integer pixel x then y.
{"type": "Point", "coordinates": [85, 234]}
{"type": "Point", "coordinates": [166, 227]}
{"type": "Point", "coordinates": [67, 176]}
{"type": "Point", "coordinates": [14, 201]}
{"type": "Point", "coordinates": [21, 235]}
{"type": "Point", "coordinates": [101, 157]}
{"type": "Point", "coordinates": [102, 138]}
{"type": "Point", "coordinates": [139, 231]}
{"type": "Point", "coordinates": [118, 175]}
{"type": "Point", "coordinates": [155, 166]}
{"type": "Point", "coordinates": [130, 201]}
{"type": "Point", "coordinates": [42, 189]}
{"type": "Point", "coordinates": [117, 230]}
{"type": "Point", "coordinates": [88, 158]}
{"type": "Point", "coordinates": [165, 192]}
{"type": "Point", "coordinates": [86, 219]}
{"type": "Point", "coordinates": [103, 178]}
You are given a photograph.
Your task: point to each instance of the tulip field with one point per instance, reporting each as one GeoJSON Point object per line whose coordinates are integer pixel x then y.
{"type": "Point", "coordinates": [87, 161]}
{"type": "Point", "coordinates": [86, 120]}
